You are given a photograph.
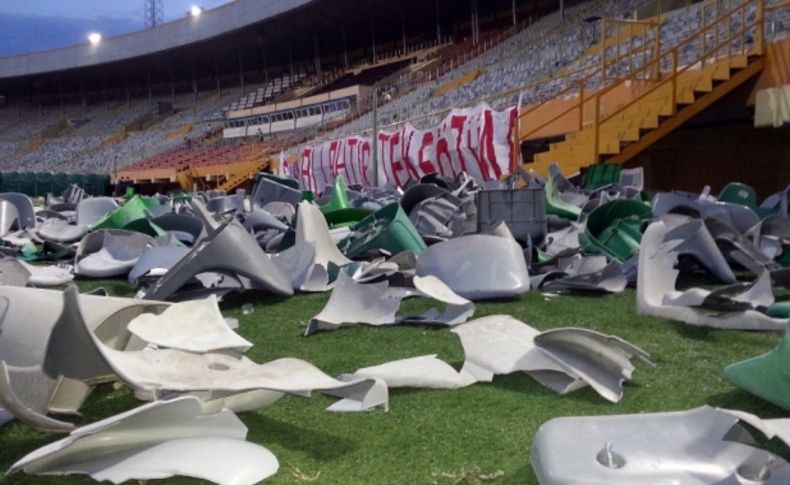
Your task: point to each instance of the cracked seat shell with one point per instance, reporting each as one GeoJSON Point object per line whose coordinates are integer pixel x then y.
{"type": "Point", "coordinates": [230, 248]}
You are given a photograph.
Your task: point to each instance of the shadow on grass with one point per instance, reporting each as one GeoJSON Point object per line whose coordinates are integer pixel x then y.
{"type": "Point", "coordinates": [235, 300]}
{"type": "Point", "coordinates": [319, 446]}
{"type": "Point", "coordinates": [743, 401]}
{"type": "Point", "coordinates": [692, 332]}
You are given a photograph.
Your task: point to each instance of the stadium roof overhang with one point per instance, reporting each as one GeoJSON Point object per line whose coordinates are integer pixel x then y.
{"type": "Point", "coordinates": [243, 35]}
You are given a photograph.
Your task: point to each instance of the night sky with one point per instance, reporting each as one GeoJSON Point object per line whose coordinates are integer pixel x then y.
{"type": "Point", "coordinates": [34, 25]}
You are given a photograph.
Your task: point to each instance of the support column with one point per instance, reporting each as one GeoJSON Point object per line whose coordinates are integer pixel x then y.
{"type": "Point", "coordinates": [172, 87]}
{"type": "Point", "coordinates": [562, 9]}
{"type": "Point", "coordinates": [241, 73]}
{"type": "Point", "coordinates": [194, 85]}
{"type": "Point", "coordinates": [345, 49]}
{"type": "Point", "coordinates": [513, 9]}
{"type": "Point", "coordinates": [317, 54]}
{"type": "Point", "coordinates": [216, 79]}
{"type": "Point", "coordinates": [373, 38]}
{"type": "Point", "coordinates": [291, 60]}
{"type": "Point", "coordinates": [375, 168]}
{"type": "Point", "coordinates": [265, 68]}
{"type": "Point", "coordinates": [403, 30]}
{"type": "Point", "coordinates": [438, 26]}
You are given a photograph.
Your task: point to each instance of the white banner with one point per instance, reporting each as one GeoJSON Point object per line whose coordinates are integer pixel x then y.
{"type": "Point", "coordinates": [478, 141]}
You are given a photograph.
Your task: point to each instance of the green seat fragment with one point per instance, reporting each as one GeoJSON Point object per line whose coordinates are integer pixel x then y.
{"type": "Point", "coordinates": [738, 193]}
{"type": "Point", "coordinates": [766, 376]}
{"type": "Point", "coordinates": [132, 210]}
{"type": "Point", "coordinates": [389, 229]}
{"type": "Point", "coordinates": [615, 229]}
{"type": "Point", "coordinates": [339, 197]}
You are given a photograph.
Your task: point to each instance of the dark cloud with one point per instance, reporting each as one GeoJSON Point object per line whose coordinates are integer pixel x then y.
{"type": "Point", "coordinates": [20, 34]}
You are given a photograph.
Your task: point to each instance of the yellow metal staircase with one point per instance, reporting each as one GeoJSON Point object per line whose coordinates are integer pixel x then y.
{"type": "Point", "coordinates": [252, 162]}
{"type": "Point", "coordinates": [635, 107]}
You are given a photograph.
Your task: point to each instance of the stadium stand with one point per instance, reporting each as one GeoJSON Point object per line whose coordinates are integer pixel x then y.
{"type": "Point", "coordinates": [536, 62]}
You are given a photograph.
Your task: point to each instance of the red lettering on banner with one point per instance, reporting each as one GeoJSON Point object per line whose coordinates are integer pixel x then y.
{"type": "Point", "coordinates": [364, 159]}
{"type": "Point", "coordinates": [457, 123]}
{"type": "Point", "coordinates": [411, 170]}
{"type": "Point", "coordinates": [394, 161]}
{"type": "Point", "coordinates": [351, 144]}
{"type": "Point", "coordinates": [334, 156]}
{"type": "Point", "coordinates": [487, 151]}
{"type": "Point", "coordinates": [480, 163]}
{"type": "Point", "coordinates": [424, 162]}
{"type": "Point", "coordinates": [305, 172]}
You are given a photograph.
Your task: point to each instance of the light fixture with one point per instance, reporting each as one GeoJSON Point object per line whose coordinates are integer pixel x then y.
{"type": "Point", "coordinates": [195, 11]}
{"type": "Point", "coordinates": [94, 38]}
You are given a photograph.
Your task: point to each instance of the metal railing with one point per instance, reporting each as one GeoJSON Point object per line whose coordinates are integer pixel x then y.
{"type": "Point", "coordinates": [665, 68]}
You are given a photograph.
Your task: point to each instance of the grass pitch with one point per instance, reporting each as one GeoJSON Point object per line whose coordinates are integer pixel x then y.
{"type": "Point", "coordinates": [481, 434]}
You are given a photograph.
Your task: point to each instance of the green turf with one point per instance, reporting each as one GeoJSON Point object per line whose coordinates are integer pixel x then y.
{"type": "Point", "coordinates": [481, 434]}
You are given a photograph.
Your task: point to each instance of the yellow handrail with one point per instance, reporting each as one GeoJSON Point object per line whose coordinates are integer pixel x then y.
{"type": "Point", "coordinates": [646, 72]}
{"type": "Point", "coordinates": [675, 72]}
{"type": "Point", "coordinates": [642, 49]}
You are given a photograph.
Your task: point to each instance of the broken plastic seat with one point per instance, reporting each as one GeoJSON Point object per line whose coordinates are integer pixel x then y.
{"type": "Point", "coordinates": [268, 190]}
{"type": "Point", "coordinates": [228, 249]}
{"type": "Point", "coordinates": [766, 376]}
{"type": "Point", "coordinates": [311, 227]}
{"type": "Point", "coordinates": [478, 266]}
{"type": "Point", "coordinates": [93, 209]}
{"type": "Point", "coordinates": [377, 304]}
{"type": "Point", "coordinates": [134, 208]}
{"type": "Point", "coordinates": [24, 208]}
{"type": "Point", "coordinates": [615, 229]}
{"type": "Point", "coordinates": [110, 252]}
{"type": "Point", "coordinates": [186, 228]}
{"type": "Point", "coordinates": [345, 217]}
{"type": "Point", "coordinates": [562, 198]}
{"type": "Point", "coordinates": [59, 230]}
{"type": "Point", "coordinates": [700, 446]}
{"type": "Point", "coordinates": [564, 360]}
{"type": "Point", "coordinates": [38, 344]}
{"type": "Point", "coordinates": [339, 198]}
{"type": "Point", "coordinates": [9, 218]}
{"type": "Point", "coordinates": [738, 193]}
{"type": "Point", "coordinates": [656, 294]}
{"type": "Point", "coordinates": [388, 229]}
{"type": "Point", "coordinates": [182, 436]}
{"type": "Point", "coordinates": [160, 258]}
{"type": "Point", "coordinates": [48, 276]}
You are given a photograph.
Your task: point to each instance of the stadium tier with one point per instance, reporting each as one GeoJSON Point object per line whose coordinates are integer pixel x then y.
{"type": "Point", "coordinates": [321, 88]}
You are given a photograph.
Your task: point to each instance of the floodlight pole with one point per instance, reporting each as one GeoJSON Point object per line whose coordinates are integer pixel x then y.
{"type": "Point", "coordinates": [375, 167]}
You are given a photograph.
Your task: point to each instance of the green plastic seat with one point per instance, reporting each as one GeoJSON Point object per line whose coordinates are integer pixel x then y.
{"type": "Point", "coordinates": [615, 229]}
{"type": "Point", "coordinates": [346, 217]}
{"type": "Point", "coordinates": [779, 310]}
{"type": "Point", "coordinates": [601, 175]}
{"type": "Point", "coordinates": [766, 376]}
{"type": "Point", "coordinates": [151, 202]}
{"type": "Point", "coordinates": [308, 195]}
{"type": "Point", "coordinates": [145, 226]}
{"type": "Point", "coordinates": [339, 197]}
{"type": "Point", "coordinates": [389, 229]}
{"type": "Point", "coordinates": [738, 193]}
{"type": "Point", "coordinates": [132, 210]}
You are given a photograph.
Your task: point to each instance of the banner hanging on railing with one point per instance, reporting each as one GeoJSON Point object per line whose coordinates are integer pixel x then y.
{"type": "Point", "coordinates": [478, 141]}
